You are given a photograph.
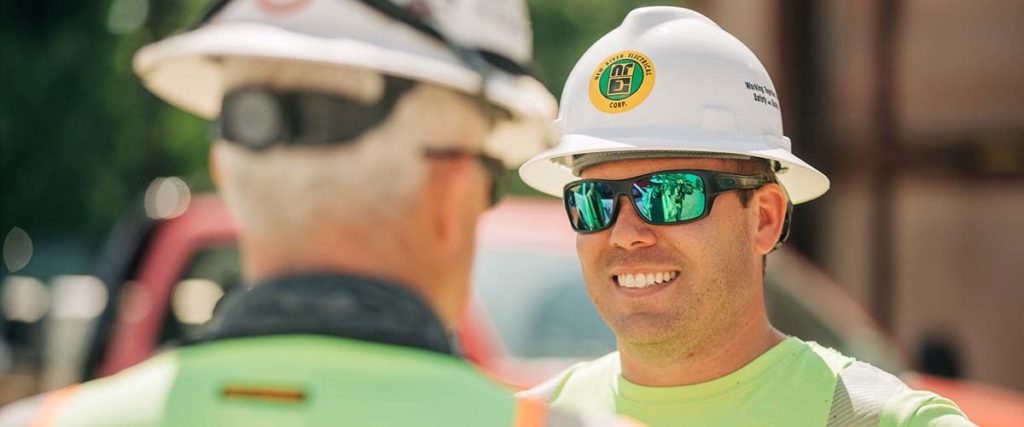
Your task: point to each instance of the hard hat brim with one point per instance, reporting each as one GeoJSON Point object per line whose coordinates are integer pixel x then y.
{"type": "Point", "coordinates": [185, 71]}
{"type": "Point", "coordinates": [549, 171]}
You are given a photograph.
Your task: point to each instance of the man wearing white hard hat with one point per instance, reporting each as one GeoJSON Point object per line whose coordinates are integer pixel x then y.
{"type": "Point", "coordinates": [356, 147]}
{"type": "Point", "coordinates": [679, 181]}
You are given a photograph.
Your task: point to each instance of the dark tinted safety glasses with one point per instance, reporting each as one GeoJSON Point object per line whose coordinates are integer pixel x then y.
{"type": "Point", "coordinates": [660, 198]}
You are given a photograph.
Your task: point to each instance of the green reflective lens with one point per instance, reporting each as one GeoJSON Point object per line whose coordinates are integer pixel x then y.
{"type": "Point", "coordinates": [667, 198]}
{"type": "Point", "coordinates": [590, 205]}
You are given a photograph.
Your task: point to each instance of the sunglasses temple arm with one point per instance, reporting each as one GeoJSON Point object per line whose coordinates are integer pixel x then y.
{"type": "Point", "coordinates": [732, 182]}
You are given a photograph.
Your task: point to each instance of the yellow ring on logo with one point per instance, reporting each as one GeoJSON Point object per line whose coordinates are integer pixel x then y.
{"type": "Point", "coordinates": [619, 93]}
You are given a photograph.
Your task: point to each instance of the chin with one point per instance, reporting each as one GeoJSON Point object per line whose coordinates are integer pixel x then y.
{"type": "Point", "coordinates": [644, 329]}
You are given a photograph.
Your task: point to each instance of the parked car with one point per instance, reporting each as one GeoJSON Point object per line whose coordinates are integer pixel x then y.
{"type": "Point", "coordinates": [529, 318]}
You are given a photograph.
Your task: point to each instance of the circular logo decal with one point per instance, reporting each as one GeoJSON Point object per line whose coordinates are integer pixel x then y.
{"type": "Point", "coordinates": [621, 82]}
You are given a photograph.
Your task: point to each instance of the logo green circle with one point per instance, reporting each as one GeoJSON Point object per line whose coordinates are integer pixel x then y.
{"type": "Point", "coordinates": [621, 79]}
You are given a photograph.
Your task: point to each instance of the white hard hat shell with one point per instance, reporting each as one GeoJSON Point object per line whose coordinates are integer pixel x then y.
{"type": "Point", "coordinates": [185, 69]}
{"type": "Point", "coordinates": [708, 93]}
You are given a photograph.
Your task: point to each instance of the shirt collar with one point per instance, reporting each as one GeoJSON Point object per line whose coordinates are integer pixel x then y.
{"type": "Point", "coordinates": [342, 305]}
{"type": "Point", "coordinates": [753, 372]}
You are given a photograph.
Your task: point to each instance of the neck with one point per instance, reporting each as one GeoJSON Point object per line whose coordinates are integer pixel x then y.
{"type": "Point", "coordinates": [716, 358]}
{"type": "Point", "coordinates": [360, 250]}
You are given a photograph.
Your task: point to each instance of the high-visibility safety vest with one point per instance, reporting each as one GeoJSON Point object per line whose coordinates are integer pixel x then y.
{"type": "Point", "coordinates": [300, 380]}
{"type": "Point", "coordinates": [313, 350]}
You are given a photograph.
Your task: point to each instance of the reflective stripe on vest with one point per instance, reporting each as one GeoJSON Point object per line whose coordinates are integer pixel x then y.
{"type": "Point", "coordinates": [860, 395]}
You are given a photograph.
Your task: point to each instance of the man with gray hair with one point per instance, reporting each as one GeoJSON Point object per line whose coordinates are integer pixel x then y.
{"type": "Point", "coordinates": [358, 142]}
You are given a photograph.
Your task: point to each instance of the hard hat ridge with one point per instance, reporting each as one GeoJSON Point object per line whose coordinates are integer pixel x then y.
{"type": "Point", "coordinates": [643, 19]}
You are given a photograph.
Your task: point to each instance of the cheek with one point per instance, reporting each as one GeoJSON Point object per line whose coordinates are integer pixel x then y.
{"type": "Point", "coordinates": [692, 242]}
{"type": "Point", "coordinates": [710, 245]}
{"type": "Point", "coordinates": [723, 255]}
{"type": "Point", "coordinates": [728, 223]}
{"type": "Point", "coordinates": [590, 249]}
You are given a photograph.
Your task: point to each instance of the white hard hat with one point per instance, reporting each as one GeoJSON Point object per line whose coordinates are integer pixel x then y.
{"type": "Point", "coordinates": [670, 80]}
{"type": "Point", "coordinates": [393, 37]}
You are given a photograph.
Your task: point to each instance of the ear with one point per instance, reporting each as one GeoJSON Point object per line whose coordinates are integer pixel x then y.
{"type": "Point", "coordinates": [453, 201]}
{"type": "Point", "coordinates": [770, 204]}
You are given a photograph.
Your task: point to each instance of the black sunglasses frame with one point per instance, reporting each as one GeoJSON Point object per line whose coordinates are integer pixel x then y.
{"type": "Point", "coordinates": [715, 184]}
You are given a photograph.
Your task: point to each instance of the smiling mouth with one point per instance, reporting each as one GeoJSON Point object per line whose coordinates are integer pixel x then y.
{"type": "Point", "coordinates": [644, 280]}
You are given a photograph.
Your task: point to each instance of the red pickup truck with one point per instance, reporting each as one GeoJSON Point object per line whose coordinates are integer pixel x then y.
{"type": "Point", "coordinates": [530, 316]}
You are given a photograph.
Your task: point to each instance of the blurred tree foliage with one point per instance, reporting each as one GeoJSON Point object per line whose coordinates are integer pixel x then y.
{"type": "Point", "coordinates": [562, 31]}
{"type": "Point", "coordinates": [80, 138]}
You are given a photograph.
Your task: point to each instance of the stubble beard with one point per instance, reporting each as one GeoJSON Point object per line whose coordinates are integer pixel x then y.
{"type": "Point", "coordinates": [706, 315]}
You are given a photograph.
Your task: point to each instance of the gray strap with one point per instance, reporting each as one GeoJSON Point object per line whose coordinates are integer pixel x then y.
{"type": "Point", "coordinates": [860, 395]}
{"type": "Point", "coordinates": [583, 161]}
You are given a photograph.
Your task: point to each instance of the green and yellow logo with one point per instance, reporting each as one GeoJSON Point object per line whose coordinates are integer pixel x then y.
{"type": "Point", "coordinates": [622, 82]}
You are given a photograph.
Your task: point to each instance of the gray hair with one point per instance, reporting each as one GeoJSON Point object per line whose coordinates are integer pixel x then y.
{"type": "Point", "coordinates": [282, 190]}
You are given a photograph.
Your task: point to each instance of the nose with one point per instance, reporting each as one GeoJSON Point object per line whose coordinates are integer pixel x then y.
{"type": "Point", "coordinates": [630, 232]}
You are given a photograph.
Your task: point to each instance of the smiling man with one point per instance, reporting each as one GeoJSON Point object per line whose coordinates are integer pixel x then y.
{"type": "Point", "coordinates": [679, 181]}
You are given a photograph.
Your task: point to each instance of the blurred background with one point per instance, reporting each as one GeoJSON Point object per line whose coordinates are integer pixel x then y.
{"type": "Point", "coordinates": [913, 108]}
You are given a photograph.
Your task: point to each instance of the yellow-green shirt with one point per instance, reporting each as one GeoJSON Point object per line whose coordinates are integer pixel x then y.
{"type": "Point", "coordinates": [792, 384]}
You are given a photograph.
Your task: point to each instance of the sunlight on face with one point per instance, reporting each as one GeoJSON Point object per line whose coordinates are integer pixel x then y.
{"type": "Point", "coordinates": [716, 282]}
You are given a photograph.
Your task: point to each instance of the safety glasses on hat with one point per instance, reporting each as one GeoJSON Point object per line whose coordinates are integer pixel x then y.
{"type": "Point", "coordinates": [660, 198]}
{"type": "Point", "coordinates": [259, 117]}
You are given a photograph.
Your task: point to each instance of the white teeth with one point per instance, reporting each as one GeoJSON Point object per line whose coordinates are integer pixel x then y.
{"type": "Point", "coordinates": [641, 280]}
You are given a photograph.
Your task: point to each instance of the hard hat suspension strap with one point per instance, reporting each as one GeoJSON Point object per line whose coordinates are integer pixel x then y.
{"type": "Point", "coordinates": [583, 161]}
